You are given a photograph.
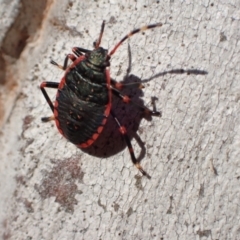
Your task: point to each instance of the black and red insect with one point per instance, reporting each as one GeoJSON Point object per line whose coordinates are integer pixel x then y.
{"type": "Point", "coordinates": [84, 95]}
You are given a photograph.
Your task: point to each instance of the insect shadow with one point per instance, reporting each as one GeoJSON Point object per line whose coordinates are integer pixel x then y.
{"type": "Point", "coordinates": [110, 142]}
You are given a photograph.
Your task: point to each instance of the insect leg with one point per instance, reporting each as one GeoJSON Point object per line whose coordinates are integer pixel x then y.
{"type": "Point", "coordinates": [121, 86]}
{"type": "Point", "coordinates": [123, 131]}
{"type": "Point", "coordinates": [143, 108]}
{"type": "Point", "coordinates": [65, 64]}
{"type": "Point", "coordinates": [47, 119]}
{"type": "Point", "coordinates": [132, 33]}
{"type": "Point", "coordinates": [42, 87]}
{"type": "Point", "coordinates": [79, 51]}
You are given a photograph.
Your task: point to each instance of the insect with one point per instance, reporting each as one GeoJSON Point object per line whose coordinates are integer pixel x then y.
{"type": "Point", "coordinates": [84, 95]}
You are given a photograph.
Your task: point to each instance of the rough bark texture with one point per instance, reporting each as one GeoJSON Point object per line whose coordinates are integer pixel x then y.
{"type": "Point", "coordinates": [52, 190]}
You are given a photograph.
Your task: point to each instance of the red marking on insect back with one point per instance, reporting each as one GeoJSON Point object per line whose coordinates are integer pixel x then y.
{"type": "Point", "coordinates": [83, 145]}
{"type": "Point", "coordinates": [55, 113]}
{"type": "Point", "coordinates": [104, 121]}
{"type": "Point", "coordinates": [95, 136]}
{"type": "Point", "coordinates": [62, 83]}
{"type": "Point", "coordinates": [89, 142]}
{"type": "Point", "coordinates": [99, 130]}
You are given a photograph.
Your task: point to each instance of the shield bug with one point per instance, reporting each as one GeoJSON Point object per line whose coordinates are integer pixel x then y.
{"type": "Point", "coordinates": [84, 95]}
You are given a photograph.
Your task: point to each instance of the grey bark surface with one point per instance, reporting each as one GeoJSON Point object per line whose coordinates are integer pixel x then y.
{"type": "Point", "coordinates": [52, 190]}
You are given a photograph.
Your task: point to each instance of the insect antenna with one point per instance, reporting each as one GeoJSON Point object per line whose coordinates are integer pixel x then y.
{"type": "Point", "coordinates": [97, 43]}
{"type": "Point", "coordinates": [132, 33]}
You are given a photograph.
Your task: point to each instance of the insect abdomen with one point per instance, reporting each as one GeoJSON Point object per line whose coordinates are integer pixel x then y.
{"type": "Point", "coordinates": [82, 108]}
